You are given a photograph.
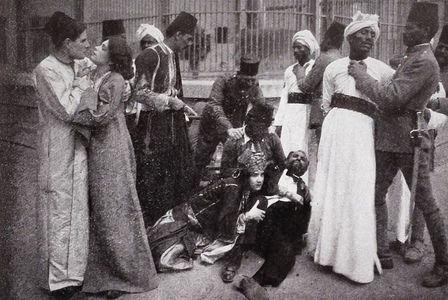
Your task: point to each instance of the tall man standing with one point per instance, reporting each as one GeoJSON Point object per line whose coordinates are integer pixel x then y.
{"type": "Point", "coordinates": [162, 148]}
{"type": "Point", "coordinates": [400, 99]}
{"type": "Point", "coordinates": [292, 118]}
{"type": "Point", "coordinates": [414, 252]}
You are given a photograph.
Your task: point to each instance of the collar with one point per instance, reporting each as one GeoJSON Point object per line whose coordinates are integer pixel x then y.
{"type": "Point", "coordinates": [294, 177]}
{"type": "Point", "coordinates": [63, 61]}
{"type": "Point", "coordinates": [417, 48]}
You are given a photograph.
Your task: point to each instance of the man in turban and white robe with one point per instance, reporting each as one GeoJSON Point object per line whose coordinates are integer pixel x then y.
{"type": "Point", "coordinates": [292, 118]}
{"type": "Point", "coordinates": [342, 226]}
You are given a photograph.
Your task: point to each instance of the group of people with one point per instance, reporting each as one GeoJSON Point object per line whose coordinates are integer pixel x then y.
{"type": "Point", "coordinates": [120, 197]}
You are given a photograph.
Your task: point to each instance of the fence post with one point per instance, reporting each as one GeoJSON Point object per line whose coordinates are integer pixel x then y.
{"type": "Point", "coordinates": [79, 10]}
{"type": "Point", "coordinates": [318, 19]}
{"type": "Point", "coordinates": [163, 8]}
{"type": "Point", "coordinates": [237, 29]}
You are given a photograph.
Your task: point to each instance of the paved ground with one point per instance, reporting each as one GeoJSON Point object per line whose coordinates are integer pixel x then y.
{"type": "Point", "coordinates": [306, 281]}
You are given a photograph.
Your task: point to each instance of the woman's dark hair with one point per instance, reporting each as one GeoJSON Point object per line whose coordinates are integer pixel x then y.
{"type": "Point", "coordinates": [120, 55]}
{"type": "Point", "coordinates": [60, 27]}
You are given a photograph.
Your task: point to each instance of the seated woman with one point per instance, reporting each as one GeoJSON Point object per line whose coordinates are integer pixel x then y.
{"type": "Point", "coordinates": [214, 214]}
{"type": "Point", "coordinates": [119, 259]}
{"type": "Point", "coordinates": [278, 235]}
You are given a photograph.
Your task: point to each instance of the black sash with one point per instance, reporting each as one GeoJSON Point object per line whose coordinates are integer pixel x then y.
{"type": "Point", "coordinates": [299, 98]}
{"type": "Point", "coordinates": [353, 103]}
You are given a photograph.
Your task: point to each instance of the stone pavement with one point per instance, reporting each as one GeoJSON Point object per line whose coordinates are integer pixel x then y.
{"type": "Point", "coordinates": [306, 281]}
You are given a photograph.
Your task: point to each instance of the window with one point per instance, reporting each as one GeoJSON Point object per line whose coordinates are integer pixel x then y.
{"type": "Point", "coordinates": [222, 35]}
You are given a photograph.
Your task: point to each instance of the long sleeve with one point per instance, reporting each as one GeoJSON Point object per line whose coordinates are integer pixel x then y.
{"type": "Point", "coordinates": [110, 101]}
{"type": "Point", "coordinates": [278, 154]}
{"type": "Point", "coordinates": [311, 81]}
{"type": "Point", "coordinates": [147, 64]}
{"type": "Point", "coordinates": [55, 97]}
{"type": "Point", "coordinates": [229, 157]}
{"type": "Point", "coordinates": [216, 102]}
{"type": "Point", "coordinates": [327, 91]}
{"type": "Point", "coordinates": [400, 91]}
{"type": "Point", "coordinates": [281, 111]}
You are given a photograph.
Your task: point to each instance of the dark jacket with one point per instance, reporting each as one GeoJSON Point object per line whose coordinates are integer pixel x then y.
{"type": "Point", "coordinates": [410, 89]}
{"type": "Point", "coordinates": [228, 106]}
{"type": "Point", "coordinates": [312, 84]}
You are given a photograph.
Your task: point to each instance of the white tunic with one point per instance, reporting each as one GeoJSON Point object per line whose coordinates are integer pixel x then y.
{"type": "Point", "coordinates": [63, 187]}
{"type": "Point", "coordinates": [342, 228]}
{"type": "Point", "coordinates": [294, 117]}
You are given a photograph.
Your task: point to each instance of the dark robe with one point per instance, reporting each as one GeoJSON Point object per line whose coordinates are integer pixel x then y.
{"type": "Point", "coordinates": [213, 212]}
{"type": "Point", "coordinates": [162, 148]}
{"type": "Point", "coordinates": [278, 238]}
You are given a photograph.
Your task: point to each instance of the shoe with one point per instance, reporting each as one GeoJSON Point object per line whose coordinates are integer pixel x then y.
{"type": "Point", "coordinates": [398, 247]}
{"type": "Point", "coordinates": [66, 293]}
{"type": "Point", "coordinates": [387, 263]}
{"type": "Point", "coordinates": [437, 277]}
{"type": "Point", "coordinates": [252, 290]}
{"type": "Point", "coordinates": [113, 294]}
{"type": "Point", "coordinates": [228, 274]}
{"type": "Point", "coordinates": [414, 253]}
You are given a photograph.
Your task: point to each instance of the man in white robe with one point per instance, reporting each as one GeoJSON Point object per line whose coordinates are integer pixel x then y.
{"type": "Point", "coordinates": [293, 114]}
{"type": "Point", "coordinates": [342, 226]}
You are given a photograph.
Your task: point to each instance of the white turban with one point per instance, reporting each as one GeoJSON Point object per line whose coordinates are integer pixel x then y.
{"type": "Point", "coordinates": [305, 37]}
{"type": "Point", "coordinates": [361, 21]}
{"type": "Point", "coordinates": [152, 30]}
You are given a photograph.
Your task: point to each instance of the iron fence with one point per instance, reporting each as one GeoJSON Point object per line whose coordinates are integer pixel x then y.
{"type": "Point", "coordinates": [229, 29]}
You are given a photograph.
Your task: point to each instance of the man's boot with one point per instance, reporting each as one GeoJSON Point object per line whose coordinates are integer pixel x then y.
{"type": "Point", "coordinates": [436, 228]}
{"type": "Point", "coordinates": [384, 253]}
{"type": "Point", "coordinates": [414, 252]}
{"type": "Point", "coordinates": [437, 277]}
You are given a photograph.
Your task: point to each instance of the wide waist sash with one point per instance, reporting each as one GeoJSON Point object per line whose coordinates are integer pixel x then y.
{"type": "Point", "coordinates": [353, 103]}
{"type": "Point", "coordinates": [299, 98]}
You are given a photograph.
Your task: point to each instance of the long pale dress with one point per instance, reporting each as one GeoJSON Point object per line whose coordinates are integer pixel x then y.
{"type": "Point", "coordinates": [294, 117]}
{"type": "Point", "coordinates": [119, 253]}
{"type": "Point", "coordinates": [342, 227]}
{"type": "Point", "coordinates": [63, 223]}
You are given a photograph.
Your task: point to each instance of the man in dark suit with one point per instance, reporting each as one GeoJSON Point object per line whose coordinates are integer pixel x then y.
{"type": "Point", "coordinates": [408, 92]}
{"type": "Point", "coordinates": [231, 98]}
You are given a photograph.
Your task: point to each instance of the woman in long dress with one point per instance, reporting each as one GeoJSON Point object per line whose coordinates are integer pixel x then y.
{"type": "Point", "coordinates": [120, 259]}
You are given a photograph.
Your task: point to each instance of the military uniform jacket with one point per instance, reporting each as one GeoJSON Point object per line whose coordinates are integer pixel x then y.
{"type": "Point", "coordinates": [228, 105]}
{"type": "Point", "coordinates": [410, 89]}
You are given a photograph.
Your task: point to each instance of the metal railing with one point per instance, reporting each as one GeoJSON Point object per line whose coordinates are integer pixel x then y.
{"type": "Point", "coordinates": [229, 29]}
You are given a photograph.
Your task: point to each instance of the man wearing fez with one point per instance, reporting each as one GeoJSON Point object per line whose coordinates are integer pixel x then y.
{"type": "Point", "coordinates": [292, 118]}
{"type": "Point", "coordinates": [400, 99]}
{"type": "Point", "coordinates": [223, 117]}
{"type": "Point", "coordinates": [438, 103]}
{"type": "Point", "coordinates": [162, 148]}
